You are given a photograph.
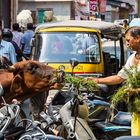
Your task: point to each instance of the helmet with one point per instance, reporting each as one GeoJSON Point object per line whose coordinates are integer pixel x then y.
{"type": "Point", "coordinates": [7, 34]}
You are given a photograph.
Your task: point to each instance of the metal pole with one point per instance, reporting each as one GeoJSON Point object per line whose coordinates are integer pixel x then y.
{"type": "Point", "coordinates": [138, 8]}
{"type": "Point", "coordinates": [14, 6]}
{"type": "Point", "coordinates": [115, 49]}
{"type": "Point", "coordinates": [1, 14]}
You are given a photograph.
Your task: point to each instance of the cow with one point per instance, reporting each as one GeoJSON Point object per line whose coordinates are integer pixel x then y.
{"type": "Point", "coordinates": [26, 79]}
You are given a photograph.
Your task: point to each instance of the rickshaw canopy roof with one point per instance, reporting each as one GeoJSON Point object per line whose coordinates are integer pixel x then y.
{"type": "Point", "coordinates": [108, 29]}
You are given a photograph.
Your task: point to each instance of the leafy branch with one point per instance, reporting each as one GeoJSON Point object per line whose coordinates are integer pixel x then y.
{"type": "Point", "coordinates": [79, 82]}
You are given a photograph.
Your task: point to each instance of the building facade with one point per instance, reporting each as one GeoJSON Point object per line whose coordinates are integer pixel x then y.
{"type": "Point", "coordinates": [62, 9]}
{"type": "Point", "coordinates": [119, 9]}
{"type": "Point", "coordinates": [8, 12]}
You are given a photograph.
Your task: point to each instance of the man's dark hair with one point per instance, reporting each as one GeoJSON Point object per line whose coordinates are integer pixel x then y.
{"type": "Point", "coordinates": [29, 26]}
{"type": "Point", "coordinates": [7, 34]}
{"type": "Point", "coordinates": [15, 26]}
{"type": "Point", "coordinates": [125, 21]}
{"type": "Point", "coordinates": [134, 31]}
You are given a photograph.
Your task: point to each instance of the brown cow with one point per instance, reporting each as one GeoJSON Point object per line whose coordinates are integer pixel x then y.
{"type": "Point", "coordinates": [28, 79]}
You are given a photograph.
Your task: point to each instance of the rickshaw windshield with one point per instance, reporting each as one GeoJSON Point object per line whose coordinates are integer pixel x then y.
{"type": "Point", "coordinates": [62, 46]}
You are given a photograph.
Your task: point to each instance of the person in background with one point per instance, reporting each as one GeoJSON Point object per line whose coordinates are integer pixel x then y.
{"type": "Point", "coordinates": [16, 34]}
{"type": "Point", "coordinates": [132, 37]}
{"type": "Point", "coordinates": [26, 39]}
{"type": "Point", "coordinates": [125, 24]}
{"type": "Point", "coordinates": [49, 17]}
{"type": "Point", "coordinates": [8, 36]}
{"type": "Point", "coordinates": [6, 48]}
{"type": "Point", "coordinates": [57, 46]}
{"type": "Point", "coordinates": [126, 27]}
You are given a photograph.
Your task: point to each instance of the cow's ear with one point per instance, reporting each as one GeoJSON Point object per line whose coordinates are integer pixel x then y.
{"type": "Point", "coordinates": [16, 85]}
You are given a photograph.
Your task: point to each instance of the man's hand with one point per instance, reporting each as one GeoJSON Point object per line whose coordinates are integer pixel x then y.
{"type": "Point", "coordinates": [93, 79]}
{"type": "Point", "coordinates": [131, 91]}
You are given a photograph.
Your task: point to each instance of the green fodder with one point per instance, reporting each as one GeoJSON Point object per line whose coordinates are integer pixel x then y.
{"type": "Point", "coordinates": [132, 82]}
{"type": "Point", "coordinates": [80, 82]}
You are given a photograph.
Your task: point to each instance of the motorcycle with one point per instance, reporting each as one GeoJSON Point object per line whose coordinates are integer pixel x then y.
{"type": "Point", "coordinates": [103, 125]}
{"type": "Point", "coordinates": [34, 132]}
{"type": "Point", "coordinates": [10, 116]}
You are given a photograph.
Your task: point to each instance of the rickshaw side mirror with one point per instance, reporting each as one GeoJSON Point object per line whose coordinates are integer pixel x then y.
{"type": "Point", "coordinates": [74, 62]}
{"type": "Point", "coordinates": [32, 44]}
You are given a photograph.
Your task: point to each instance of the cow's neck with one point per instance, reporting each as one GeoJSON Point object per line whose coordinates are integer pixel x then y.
{"type": "Point", "coordinates": [22, 95]}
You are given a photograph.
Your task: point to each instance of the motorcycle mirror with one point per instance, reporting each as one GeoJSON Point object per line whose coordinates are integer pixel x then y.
{"type": "Point", "coordinates": [74, 62]}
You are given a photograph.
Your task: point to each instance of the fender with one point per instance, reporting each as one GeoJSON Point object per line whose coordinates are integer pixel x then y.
{"type": "Point", "coordinates": [82, 131]}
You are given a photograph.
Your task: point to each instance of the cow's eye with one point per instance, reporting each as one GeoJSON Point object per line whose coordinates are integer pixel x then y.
{"type": "Point", "coordinates": [49, 77]}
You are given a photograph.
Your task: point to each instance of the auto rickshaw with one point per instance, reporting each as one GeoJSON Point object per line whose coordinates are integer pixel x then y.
{"type": "Point", "coordinates": [56, 43]}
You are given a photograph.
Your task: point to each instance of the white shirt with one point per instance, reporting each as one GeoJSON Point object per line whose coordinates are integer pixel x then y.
{"type": "Point", "coordinates": [128, 64]}
{"type": "Point", "coordinates": [8, 50]}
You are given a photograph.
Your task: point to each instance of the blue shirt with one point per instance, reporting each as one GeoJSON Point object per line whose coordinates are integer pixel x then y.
{"type": "Point", "coordinates": [25, 40]}
{"type": "Point", "coordinates": [8, 50]}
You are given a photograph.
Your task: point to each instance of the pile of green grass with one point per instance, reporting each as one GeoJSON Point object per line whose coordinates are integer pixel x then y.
{"type": "Point", "coordinates": [79, 82]}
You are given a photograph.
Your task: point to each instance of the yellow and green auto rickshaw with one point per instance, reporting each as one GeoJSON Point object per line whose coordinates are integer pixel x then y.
{"type": "Point", "coordinates": [56, 43]}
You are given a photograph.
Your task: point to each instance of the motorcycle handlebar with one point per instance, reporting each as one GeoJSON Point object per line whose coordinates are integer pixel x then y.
{"type": "Point", "coordinates": [8, 113]}
{"type": "Point", "coordinates": [92, 96]}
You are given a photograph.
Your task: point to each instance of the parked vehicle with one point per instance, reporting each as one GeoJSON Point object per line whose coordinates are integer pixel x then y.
{"type": "Point", "coordinates": [103, 124]}
{"type": "Point", "coordinates": [10, 116]}
{"type": "Point", "coordinates": [80, 40]}
{"type": "Point", "coordinates": [134, 22]}
{"type": "Point", "coordinates": [34, 132]}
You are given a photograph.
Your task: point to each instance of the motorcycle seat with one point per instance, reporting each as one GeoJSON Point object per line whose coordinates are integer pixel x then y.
{"type": "Point", "coordinates": [101, 103]}
{"type": "Point", "coordinates": [121, 122]}
{"type": "Point", "coordinates": [110, 127]}
{"type": "Point", "coordinates": [122, 118]}
{"type": "Point", "coordinates": [128, 138]}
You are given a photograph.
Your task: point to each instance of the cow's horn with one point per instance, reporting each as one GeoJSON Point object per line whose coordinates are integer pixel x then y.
{"type": "Point", "coordinates": [11, 69]}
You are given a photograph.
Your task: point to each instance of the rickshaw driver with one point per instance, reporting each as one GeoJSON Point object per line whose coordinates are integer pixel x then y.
{"type": "Point", "coordinates": [132, 36]}
{"type": "Point", "coordinates": [61, 44]}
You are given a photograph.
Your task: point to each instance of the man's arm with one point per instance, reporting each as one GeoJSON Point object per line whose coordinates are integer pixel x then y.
{"type": "Point", "coordinates": [12, 54]}
{"type": "Point", "coordinates": [110, 80]}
